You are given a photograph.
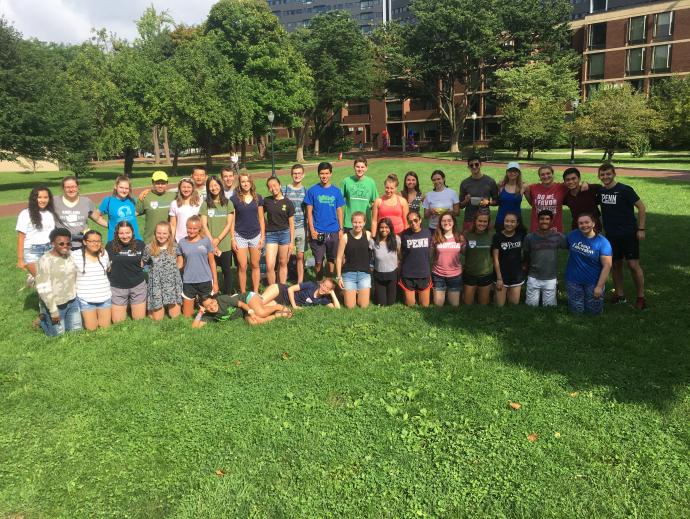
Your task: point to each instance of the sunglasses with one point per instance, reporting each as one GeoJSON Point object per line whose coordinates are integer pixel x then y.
{"type": "Point", "coordinates": [475, 165]}
{"type": "Point", "coordinates": [63, 243]}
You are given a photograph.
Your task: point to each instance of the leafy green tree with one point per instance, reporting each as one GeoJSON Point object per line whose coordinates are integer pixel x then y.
{"type": "Point", "coordinates": [671, 98]}
{"type": "Point", "coordinates": [617, 116]}
{"type": "Point", "coordinates": [533, 98]}
{"type": "Point", "coordinates": [454, 42]}
{"type": "Point", "coordinates": [251, 37]}
{"type": "Point", "coordinates": [342, 61]}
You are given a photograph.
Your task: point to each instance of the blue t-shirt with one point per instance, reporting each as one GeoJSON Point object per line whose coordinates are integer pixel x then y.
{"type": "Point", "coordinates": [117, 211]}
{"type": "Point", "coordinates": [508, 203]}
{"type": "Point", "coordinates": [196, 267]}
{"type": "Point", "coordinates": [247, 216]}
{"type": "Point", "coordinates": [325, 202]}
{"type": "Point", "coordinates": [584, 261]}
{"type": "Point", "coordinates": [305, 295]}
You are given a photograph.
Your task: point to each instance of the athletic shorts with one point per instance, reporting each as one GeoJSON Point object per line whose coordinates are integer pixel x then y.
{"type": "Point", "coordinates": [327, 249]}
{"type": "Point", "coordinates": [478, 281]}
{"type": "Point", "coordinates": [194, 290]}
{"type": "Point", "coordinates": [129, 296]}
{"type": "Point", "coordinates": [300, 240]}
{"type": "Point", "coordinates": [244, 243]}
{"type": "Point", "coordinates": [415, 284]}
{"type": "Point", "coordinates": [625, 247]}
{"type": "Point", "coordinates": [447, 284]}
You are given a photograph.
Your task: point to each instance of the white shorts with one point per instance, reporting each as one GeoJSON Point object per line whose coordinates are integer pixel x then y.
{"type": "Point", "coordinates": [244, 243]}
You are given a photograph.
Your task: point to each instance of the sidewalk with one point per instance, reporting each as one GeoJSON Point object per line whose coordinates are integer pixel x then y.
{"type": "Point", "coordinates": [13, 209]}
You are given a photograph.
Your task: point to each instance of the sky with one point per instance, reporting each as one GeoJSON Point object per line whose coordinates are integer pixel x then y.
{"type": "Point", "coordinates": [70, 21]}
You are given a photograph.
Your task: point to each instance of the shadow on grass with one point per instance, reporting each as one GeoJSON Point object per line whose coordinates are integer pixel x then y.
{"type": "Point", "coordinates": [641, 357]}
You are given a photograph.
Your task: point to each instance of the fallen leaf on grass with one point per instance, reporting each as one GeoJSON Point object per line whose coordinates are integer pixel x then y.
{"type": "Point", "coordinates": [220, 473]}
{"type": "Point", "coordinates": [236, 362]}
{"type": "Point", "coordinates": [557, 434]}
{"type": "Point", "coordinates": [533, 437]}
{"type": "Point", "coordinates": [515, 405]}
{"type": "Point", "coordinates": [574, 394]}
{"type": "Point", "coordinates": [285, 355]}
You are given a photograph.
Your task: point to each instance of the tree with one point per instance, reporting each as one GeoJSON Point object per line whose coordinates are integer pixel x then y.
{"type": "Point", "coordinates": [341, 59]}
{"type": "Point", "coordinates": [454, 42]}
{"type": "Point", "coordinates": [252, 39]}
{"type": "Point", "coordinates": [671, 98]}
{"type": "Point", "coordinates": [616, 116]}
{"type": "Point", "coordinates": [533, 98]}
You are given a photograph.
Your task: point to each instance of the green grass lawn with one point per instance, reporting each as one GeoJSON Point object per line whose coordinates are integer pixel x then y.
{"type": "Point", "coordinates": [664, 160]}
{"type": "Point", "coordinates": [387, 412]}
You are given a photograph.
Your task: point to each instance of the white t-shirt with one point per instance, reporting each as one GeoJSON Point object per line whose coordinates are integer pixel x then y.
{"type": "Point", "coordinates": [439, 200]}
{"type": "Point", "coordinates": [35, 236]}
{"type": "Point", "coordinates": [92, 279]}
{"type": "Point", "coordinates": [182, 214]}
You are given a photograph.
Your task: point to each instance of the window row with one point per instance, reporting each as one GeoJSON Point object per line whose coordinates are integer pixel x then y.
{"type": "Point", "coordinates": [634, 61]}
{"type": "Point", "coordinates": [662, 29]}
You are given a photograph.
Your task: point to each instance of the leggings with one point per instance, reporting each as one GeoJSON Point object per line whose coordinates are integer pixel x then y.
{"type": "Point", "coordinates": [225, 262]}
{"type": "Point", "coordinates": [385, 290]}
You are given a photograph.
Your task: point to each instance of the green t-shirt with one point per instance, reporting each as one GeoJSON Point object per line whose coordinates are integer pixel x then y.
{"type": "Point", "coordinates": [217, 219]}
{"type": "Point", "coordinates": [478, 261]}
{"type": "Point", "coordinates": [358, 195]}
{"type": "Point", "coordinates": [155, 209]}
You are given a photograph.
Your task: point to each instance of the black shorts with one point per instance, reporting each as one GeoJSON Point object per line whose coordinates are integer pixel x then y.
{"type": "Point", "coordinates": [477, 281]}
{"type": "Point", "coordinates": [328, 248]}
{"type": "Point", "coordinates": [415, 284]}
{"type": "Point", "coordinates": [192, 290]}
{"type": "Point", "coordinates": [625, 247]}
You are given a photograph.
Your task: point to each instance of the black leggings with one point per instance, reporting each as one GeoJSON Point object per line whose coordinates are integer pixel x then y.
{"type": "Point", "coordinates": [225, 263]}
{"type": "Point", "coordinates": [386, 289]}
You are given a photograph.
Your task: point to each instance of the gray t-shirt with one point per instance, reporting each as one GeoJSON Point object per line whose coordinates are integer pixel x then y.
{"type": "Point", "coordinates": [384, 259]}
{"type": "Point", "coordinates": [196, 267]}
{"type": "Point", "coordinates": [543, 253]}
{"type": "Point", "coordinates": [477, 188]}
{"type": "Point", "coordinates": [74, 218]}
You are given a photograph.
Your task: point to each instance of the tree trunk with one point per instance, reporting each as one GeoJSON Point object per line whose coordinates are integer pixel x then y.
{"type": "Point", "coordinates": [530, 152]}
{"type": "Point", "coordinates": [454, 138]}
{"type": "Point", "coordinates": [176, 157]}
{"type": "Point", "coordinates": [606, 152]}
{"type": "Point", "coordinates": [243, 153]}
{"type": "Point", "coordinates": [156, 145]}
{"type": "Point", "coordinates": [129, 161]}
{"type": "Point", "coordinates": [300, 137]}
{"type": "Point", "coordinates": [166, 145]}
{"type": "Point", "coordinates": [209, 159]}
{"type": "Point", "coordinates": [261, 146]}
{"type": "Point", "coordinates": [317, 148]}
{"type": "Point", "coordinates": [518, 152]}
{"type": "Point", "coordinates": [610, 153]}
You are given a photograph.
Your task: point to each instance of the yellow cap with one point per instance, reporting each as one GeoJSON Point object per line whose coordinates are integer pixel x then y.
{"type": "Point", "coordinates": [159, 175]}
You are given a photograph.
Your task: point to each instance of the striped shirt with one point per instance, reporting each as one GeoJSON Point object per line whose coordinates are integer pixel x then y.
{"type": "Point", "coordinates": [92, 278]}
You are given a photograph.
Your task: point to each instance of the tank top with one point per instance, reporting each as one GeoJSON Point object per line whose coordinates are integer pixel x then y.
{"type": "Point", "coordinates": [394, 212]}
{"type": "Point", "coordinates": [507, 203]}
{"type": "Point", "coordinates": [356, 253]}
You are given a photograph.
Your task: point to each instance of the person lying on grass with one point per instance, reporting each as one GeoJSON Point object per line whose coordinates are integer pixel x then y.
{"type": "Point", "coordinates": [249, 306]}
{"type": "Point", "coordinates": [298, 296]}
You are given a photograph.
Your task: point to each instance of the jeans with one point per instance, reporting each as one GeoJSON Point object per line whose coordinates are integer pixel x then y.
{"type": "Point", "coordinates": [581, 299]}
{"type": "Point", "coordinates": [70, 318]}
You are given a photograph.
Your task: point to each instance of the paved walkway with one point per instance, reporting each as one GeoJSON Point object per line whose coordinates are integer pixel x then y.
{"type": "Point", "coordinates": [13, 209]}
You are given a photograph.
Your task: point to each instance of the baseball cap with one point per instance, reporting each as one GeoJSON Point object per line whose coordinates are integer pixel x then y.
{"type": "Point", "coordinates": [159, 175]}
{"type": "Point", "coordinates": [513, 165]}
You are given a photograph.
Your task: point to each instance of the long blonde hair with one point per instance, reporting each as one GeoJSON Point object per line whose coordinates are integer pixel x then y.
{"type": "Point", "coordinates": [194, 198]}
{"type": "Point", "coordinates": [156, 249]}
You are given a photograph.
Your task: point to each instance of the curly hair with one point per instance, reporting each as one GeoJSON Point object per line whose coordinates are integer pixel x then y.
{"type": "Point", "coordinates": [35, 211]}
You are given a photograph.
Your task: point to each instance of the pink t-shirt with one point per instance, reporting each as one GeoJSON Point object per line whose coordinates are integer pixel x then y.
{"type": "Point", "coordinates": [447, 262]}
{"type": "Point", "coordinates": [550, 198]}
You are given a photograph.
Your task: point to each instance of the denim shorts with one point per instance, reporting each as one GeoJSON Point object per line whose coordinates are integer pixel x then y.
{"type": "Point", "coordinates": [356, 280]}
{"type": "Point", "coordinates": [446, 284]}
{"type": "Point", "coordinates": [279, 237]}
{"type": "Point", "coordinates": [33, 253]}
{"type": "Point", "coordinates": [85, 306]}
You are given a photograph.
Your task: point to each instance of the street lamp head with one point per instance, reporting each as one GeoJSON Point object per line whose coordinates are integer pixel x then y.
{"type": "Point", "coordinates": [271, 117]}
{"type": "Point", "coordinates": [474, 116]}
{"type": "Point", "coordinates": [575, 103]}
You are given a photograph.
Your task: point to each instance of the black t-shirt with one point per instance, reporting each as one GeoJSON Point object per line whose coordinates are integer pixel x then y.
{"type": "Point", "coordinates": [278, 213]}
{"type": "Point", "coordinates": [415, 248]}
{"type": "Point", "coordinates": [126, 270]}
{"type": "Point", "coordinates": [509, 255]}
{"type": "Point", "coordinates": [227, 309]}
{"type": "Point", "coordinates": [618, 210]}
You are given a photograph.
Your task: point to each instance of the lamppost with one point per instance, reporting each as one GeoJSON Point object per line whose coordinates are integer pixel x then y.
{"type": "Point", "coordinates": [271, 118]}
{"type": "Point", "coordinates": [574, 103]}
{"type": "Point", "coordinates": [474, 130]}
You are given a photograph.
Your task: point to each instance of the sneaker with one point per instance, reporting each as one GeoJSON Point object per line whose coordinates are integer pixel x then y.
{"type": "Point", "coordinates": [616, 299]}
{"type": "Point", "coordinates": [641, 303]}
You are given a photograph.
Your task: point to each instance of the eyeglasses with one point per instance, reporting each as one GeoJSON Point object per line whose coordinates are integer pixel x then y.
{"type": "Point", "coordinates": [413, 220]}
{"type": "Point", "coordinates": [475, 165]}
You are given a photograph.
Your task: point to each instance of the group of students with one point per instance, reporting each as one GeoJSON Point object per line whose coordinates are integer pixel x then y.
{"type": "Point", "coordinates": [359, 240]}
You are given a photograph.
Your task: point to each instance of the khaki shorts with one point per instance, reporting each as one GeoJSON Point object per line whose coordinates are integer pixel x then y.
{"type": "Point", "coordinates": [129, 296]}
{"type": "Point", "coordinates": [300, 239]}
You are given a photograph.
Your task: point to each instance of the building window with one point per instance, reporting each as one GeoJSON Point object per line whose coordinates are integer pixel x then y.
{"type": "Point", "coordinates": [663, 25]}
{"type": "Point", "coordinates": [637, 84]}
{"type": "Point", "coordinates": [635, 62]}
{"type": "Point", "coordinates": [597, 36]}
{"type": "Point", "coordinates": [358, 109]}
{"type": "Point", "coordinates": [597, 6]}
{"type": "Point", "coordinates": [661, 58]}
{"type": "Point", "coordinates": [595, 66]}
{"type": "Point", "coordinates": [490, 106]}
{"type": "Point", "coordinates": [637, 29]}
{"type": "Point", "coordinates": [395, 111]}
